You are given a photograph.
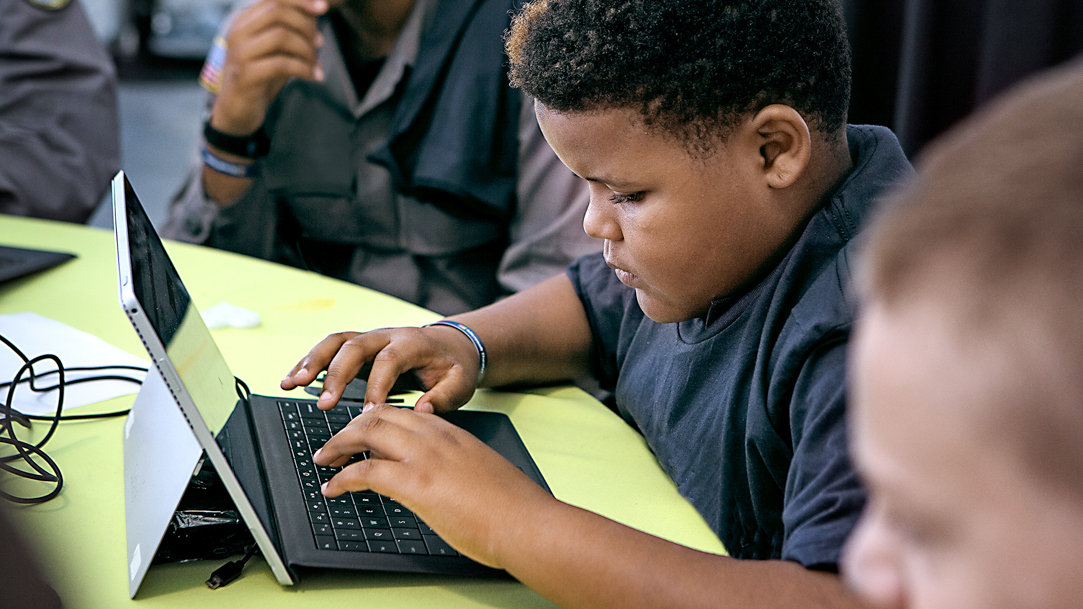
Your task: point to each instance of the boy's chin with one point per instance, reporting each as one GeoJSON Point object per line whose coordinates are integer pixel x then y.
{"type": "Point", "coordinates": [661, 311]}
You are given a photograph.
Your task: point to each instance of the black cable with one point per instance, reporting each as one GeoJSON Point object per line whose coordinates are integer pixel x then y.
{"type": "Point", "coordinates": [27, 454]}
{"type": "Point", "coordinates": [230, 571]}
{"type": "Point", "coordinates": [25, 451]}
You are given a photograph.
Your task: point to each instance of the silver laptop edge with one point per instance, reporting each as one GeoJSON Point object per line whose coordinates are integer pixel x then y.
{"type": "Point", "coordinates": [180, 394]}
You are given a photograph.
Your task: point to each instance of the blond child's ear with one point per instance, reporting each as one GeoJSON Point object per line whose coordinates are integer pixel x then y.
{"type": "Point", "coordinates": [785, 145]}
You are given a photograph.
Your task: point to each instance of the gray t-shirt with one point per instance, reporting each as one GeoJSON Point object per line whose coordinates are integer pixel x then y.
{"type": "Point", "coordinates": [745, 408]}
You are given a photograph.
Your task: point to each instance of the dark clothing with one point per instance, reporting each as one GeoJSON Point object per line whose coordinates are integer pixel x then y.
{"type": "Point", "coordinates": [745, 408]}
{"type": "Point", "coordinates": [440, 151]}
{"type": "Point", "coordinates": [59, 133]}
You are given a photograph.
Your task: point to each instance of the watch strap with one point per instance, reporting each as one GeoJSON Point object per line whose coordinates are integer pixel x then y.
{"type": "Point", "coordinates": [251, 146]}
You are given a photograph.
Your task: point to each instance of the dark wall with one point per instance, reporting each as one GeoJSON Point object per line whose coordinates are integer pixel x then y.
{"type": "Point", "coordinates": [921, 65]}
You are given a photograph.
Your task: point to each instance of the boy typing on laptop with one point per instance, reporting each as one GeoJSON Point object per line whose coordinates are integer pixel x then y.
{"type": "Point", "coordinates": [726, 187]}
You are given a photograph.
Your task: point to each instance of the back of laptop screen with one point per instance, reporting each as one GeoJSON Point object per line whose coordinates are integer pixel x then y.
{"type": "Point", "coordinates": [176, 321]}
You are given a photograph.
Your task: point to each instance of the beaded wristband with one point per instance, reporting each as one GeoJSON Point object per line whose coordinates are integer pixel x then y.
{"type": "Point", "coordinates": [229, 168]}
{"type": "Point", "coordinates": [473, 336]}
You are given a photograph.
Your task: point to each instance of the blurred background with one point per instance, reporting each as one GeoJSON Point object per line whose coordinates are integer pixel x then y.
{"type": "Point", "coordinates": [159, 47]}
{"type": "Point", "coordinates": [919, 67]}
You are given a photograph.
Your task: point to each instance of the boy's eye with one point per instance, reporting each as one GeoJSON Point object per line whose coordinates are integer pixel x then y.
{"type": "Point", "coordinates": [626, 198]}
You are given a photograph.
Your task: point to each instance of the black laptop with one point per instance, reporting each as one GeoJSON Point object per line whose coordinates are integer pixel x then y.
{"type": "Point", "coordinates": [261, 447]}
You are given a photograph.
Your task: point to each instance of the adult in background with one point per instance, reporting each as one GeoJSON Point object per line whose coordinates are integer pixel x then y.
{"type": "Point", "coordinates": [59, 134]}
{"type": "Point", "coordinates": [379, 142]}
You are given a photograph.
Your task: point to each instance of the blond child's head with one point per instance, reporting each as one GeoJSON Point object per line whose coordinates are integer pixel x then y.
{"type": "Point", "coordinates": [967, 367]}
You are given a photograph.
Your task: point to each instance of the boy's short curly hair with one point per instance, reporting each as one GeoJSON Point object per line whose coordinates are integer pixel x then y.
{"type": "Point", "coordinates": [693, 69]}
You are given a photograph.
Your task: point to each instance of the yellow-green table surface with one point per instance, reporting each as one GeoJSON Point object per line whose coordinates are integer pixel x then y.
{"type": "Point", "coordinates": [588, 455]}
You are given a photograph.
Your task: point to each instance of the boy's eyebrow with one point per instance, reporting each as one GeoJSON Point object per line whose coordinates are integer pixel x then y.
{"type": "Point", "coordinates": [608, 181]}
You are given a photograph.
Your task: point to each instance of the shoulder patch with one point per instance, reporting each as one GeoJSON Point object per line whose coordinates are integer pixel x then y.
{"type": "Point", "coordinates": [49, 5]}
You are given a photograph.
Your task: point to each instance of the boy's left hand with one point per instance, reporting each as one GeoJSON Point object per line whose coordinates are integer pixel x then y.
{"type": "Point", "coordinates": [463, 489]}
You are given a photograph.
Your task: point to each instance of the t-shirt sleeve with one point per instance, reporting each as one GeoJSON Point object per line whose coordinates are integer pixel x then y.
{"type": "Point", "coordinates": [824, 496]}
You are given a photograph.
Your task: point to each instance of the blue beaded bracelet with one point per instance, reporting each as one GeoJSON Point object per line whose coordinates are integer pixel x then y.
{"type": "Point", "coordinates": [483, 359]}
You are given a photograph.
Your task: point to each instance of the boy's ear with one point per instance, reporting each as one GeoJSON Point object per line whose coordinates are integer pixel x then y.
{"type": "Point", "coordinates": [785, 145]}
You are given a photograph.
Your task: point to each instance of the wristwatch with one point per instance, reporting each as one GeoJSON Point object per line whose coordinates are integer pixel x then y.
{"type": "Point", "coordinates": [251, 146]}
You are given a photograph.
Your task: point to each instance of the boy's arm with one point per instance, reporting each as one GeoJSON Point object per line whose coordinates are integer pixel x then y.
{"type": "Point", "coordinates": [487, 509]}
{"type": "Point", "coordinates": [580, 559]}
{"type": "Point", "coordinates": [535, 336]}
{"type": "Point", "coordinates": [538, 335]}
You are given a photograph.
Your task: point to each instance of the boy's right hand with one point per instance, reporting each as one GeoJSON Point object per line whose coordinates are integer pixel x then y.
{"type": "Point", "coordinates": [443, 359]}
{"type": "Point", "coordinates": [268, 43]}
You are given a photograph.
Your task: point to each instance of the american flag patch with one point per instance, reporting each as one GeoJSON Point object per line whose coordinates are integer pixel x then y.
{"type": "Point", "coordinates": [211, 73]}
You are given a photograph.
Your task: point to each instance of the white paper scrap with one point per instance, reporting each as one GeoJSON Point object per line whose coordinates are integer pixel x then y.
{"type": "Point", "coordinates": [36, 335]}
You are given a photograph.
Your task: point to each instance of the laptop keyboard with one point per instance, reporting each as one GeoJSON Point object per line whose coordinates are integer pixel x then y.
{"type": "Point", "coordinates": [353, 522]}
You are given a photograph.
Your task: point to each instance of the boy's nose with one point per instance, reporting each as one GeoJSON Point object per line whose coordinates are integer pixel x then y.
{"type": "Point", "coordinates": [870, 566]}
{"type": "Point", "coordinates": [600, 221]}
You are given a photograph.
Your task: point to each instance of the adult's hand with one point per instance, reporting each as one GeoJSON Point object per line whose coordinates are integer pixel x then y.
{"type": "Point", "coordinates": [269, 43]}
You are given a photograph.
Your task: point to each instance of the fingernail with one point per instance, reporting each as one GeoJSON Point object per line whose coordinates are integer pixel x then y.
{"type": "Point", "coordinates": [326, 395]}
{"type": "Point", "coordinates": [316, 455]}
{"type": "Point", "coordinates": [323, 488]}
{"type": "Point", "coordinates": [368, 406]}
{"type": "Point", "coordinates": [318, 73]}
{"type": "Point", "coordinates": [302, 371]}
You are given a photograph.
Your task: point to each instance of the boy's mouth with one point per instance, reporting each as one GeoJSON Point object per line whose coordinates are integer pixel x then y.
{"type": "Point", "coordinates": [626, 277]}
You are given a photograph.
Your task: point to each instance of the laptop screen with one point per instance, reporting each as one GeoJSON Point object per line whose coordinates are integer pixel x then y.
{"type": "Point", "coordinates": [176, 321]}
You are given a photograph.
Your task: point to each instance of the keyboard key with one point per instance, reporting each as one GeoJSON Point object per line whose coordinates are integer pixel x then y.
{"type": "Point", "coordinates": [337, 416]}
{"type": "Point", "coordinates": [345, 523]}
{"type": "Point", "coordinates": [385, 547]}
{"type": "Point", "coordinates": [378, 534]}
{"type": "Point", "coordinates": [350, 535]}
{"type": "Point", "coordinates": [361, 498]}
{"type": "Point", "coordinates": [342, 511]}
{"type": "Point", "coordinates": [324, 542]}
{"type": "Point", "coordinates": [371, 511]}
{"type": "Point", "coordinates": [353, 546]}
{"type": "Point", "coordinates": [412, 547]}
{"type": "Point", "coordinates": [375, 523]}
{"type": "Point", "coordinates": [308, 410]}
{"type": "Point", "coordinates": [407, 534]}
{"type": "Point", "coordinates": [403, 522]}
{"type": "Point", "coordinates": [437, 546]}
